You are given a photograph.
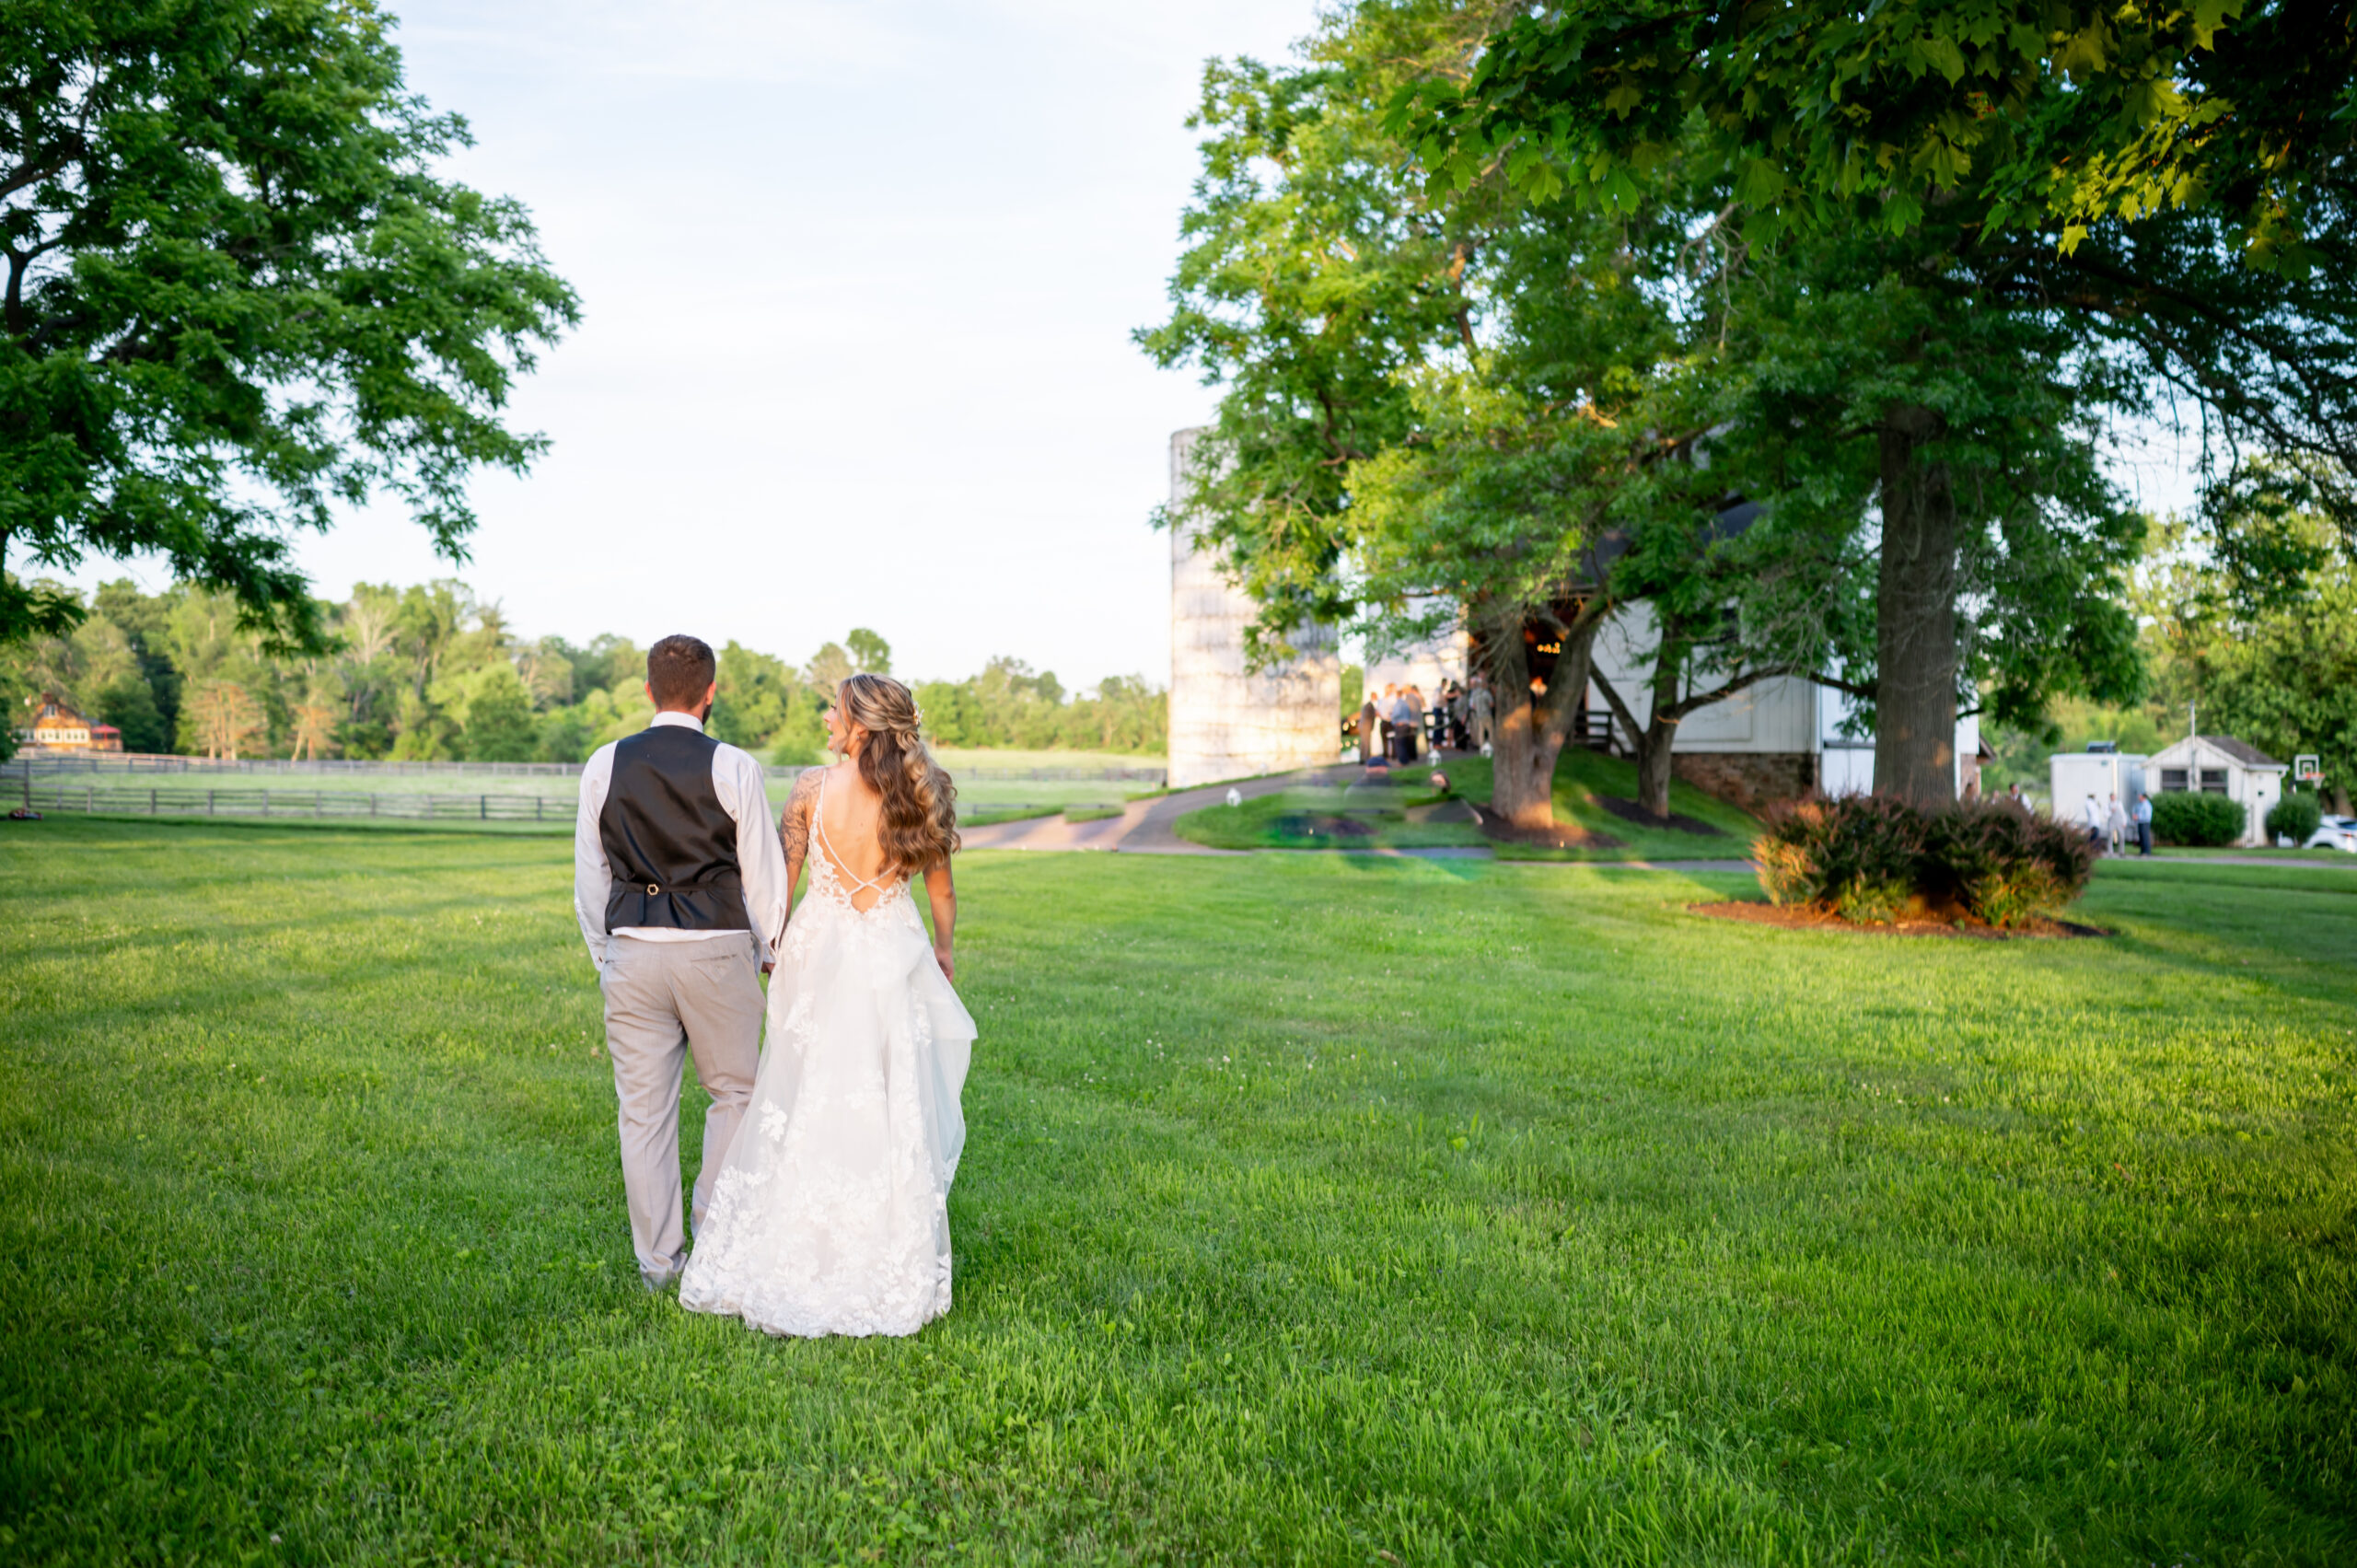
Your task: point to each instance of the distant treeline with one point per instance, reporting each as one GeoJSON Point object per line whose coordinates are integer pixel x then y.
{"type": "Point", "coordinates": [431, 672]}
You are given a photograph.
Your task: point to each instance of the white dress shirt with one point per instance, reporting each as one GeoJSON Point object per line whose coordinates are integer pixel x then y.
{"type": "Point", "coordinates": [760, 861]}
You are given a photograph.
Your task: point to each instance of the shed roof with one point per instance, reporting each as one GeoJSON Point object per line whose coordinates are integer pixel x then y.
{"type": "Point", "coordinates": [2225, 745]}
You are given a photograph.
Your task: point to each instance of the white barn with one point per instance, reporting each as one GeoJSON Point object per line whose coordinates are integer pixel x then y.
{"type": "Point", "coordinates": [1774, 741]}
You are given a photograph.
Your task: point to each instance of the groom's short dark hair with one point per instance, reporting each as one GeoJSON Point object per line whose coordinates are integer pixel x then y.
{"type": "Point", "coordinates": [680, 670]}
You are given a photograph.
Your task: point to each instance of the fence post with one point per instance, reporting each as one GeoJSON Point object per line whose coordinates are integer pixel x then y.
{"type": "Point", "coordinates": [536, 803]}
{"type": "Point", "coordinates": [90, 795]}
{"type": "Point", "coordinates": [483, 808]}
{"type": "Point", "coordinates": [372, 803]}
{"type": "Point", "coordinates": [208, 800]}
{"type": "Point", "coordinates": [151, 800]}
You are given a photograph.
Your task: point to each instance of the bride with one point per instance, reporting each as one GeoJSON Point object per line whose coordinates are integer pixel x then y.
{"type": "Point", "coordinates": [830, 1214]}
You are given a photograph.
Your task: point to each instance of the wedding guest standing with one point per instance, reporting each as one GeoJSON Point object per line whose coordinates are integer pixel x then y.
{"type": "Point", "coordinates": [2115, 825]}
{"type": "Point", "coordinates": [2143, 824]}
{"type": "Point", "coordinates": [1404, 718]}
{"type": "Point", "coordinates": [1370, 724]}
{"type": "Point", "coordinates": [1477, 709]}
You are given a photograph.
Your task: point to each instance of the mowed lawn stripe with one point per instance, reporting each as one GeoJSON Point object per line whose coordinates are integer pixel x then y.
{"type": "Point", "coordinates": [1314, 1208]}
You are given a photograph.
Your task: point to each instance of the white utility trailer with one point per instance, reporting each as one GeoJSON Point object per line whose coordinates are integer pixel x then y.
{"type": "Point", "coordinates": [2074, 775]}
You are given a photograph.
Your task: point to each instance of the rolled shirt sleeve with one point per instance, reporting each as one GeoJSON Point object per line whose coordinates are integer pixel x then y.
{"type": "Point", "coordinates": [593, 878]}
{"type": "Point", "coordinates": [737, 779]}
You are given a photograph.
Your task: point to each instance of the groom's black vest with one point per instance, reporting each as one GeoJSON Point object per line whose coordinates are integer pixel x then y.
{"type": "Point", "coordinates": [672, 848]}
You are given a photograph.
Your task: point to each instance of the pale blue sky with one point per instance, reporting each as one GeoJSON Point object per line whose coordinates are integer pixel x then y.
{"type": "Point", "coordinates": [857, 283]}
{"type": "Point", "coordinates": [858, 280]}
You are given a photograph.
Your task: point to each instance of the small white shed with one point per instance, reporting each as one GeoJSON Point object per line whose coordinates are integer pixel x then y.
{"type": "Point", "coordinates": [2219, 764]}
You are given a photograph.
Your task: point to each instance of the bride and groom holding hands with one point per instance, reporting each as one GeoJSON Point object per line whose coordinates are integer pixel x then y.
{"type": "Point", "coordinates": [822, 1206]}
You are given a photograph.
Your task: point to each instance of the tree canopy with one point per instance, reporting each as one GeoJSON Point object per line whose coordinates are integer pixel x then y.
{"type": "Point", "coordinates": [238, 295]}
{"type": "Point", "coordinates": [1492, 408]}
{"type": "Point", "coordinates": [2037, 112]}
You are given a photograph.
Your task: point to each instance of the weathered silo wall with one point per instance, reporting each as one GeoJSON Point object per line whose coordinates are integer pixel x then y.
{"type": "Point", "coordinates": [1225, 721]}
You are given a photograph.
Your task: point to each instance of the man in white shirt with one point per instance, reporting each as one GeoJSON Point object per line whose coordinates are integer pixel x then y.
{"type": "Point", "coordinates": [1404, 719]}
{"type": "Point", "coordinates": [679, 882]}
{"type": "Point", "coordinates": [2091, 817]}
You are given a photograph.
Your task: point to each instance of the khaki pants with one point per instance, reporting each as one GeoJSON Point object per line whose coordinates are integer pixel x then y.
{"type": "Point", "coordinates": [666, 1001]}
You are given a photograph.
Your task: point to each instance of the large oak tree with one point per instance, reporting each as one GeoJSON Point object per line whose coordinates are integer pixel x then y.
{"type": "Point", "coordinates": [1516, 413]}
{"type": "Point", "coordinates": [2165, 195]}
{"type": "Point", "coordinates": [238, 295]}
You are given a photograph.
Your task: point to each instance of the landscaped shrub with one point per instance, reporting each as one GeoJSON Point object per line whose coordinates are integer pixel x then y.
{"type": "Point", "coordinates": [1863, 858]}
{"type": "Point", "coordinates": [1854, 856]}
{"type": "Point", "coordinates": [2187, 816]}
{"type": "Point", "coordinates": [2294, 817]}
{"type": "Point", "coordinates": [2002, 866]}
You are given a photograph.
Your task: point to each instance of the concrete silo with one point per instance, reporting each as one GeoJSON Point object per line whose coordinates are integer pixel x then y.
{"type": "Point", "coordinates": [1226, 722]}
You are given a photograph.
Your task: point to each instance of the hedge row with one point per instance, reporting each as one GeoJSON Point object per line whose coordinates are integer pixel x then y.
{"type": "Point", "coordinates": [2196, 818]}
{"type": "Point", "coordinates": [1866, 858]}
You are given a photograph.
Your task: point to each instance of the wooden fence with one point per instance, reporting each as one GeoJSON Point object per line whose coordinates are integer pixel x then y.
{"type": "Point", "coordinates": [101, 763]}
{"type": "Point", "coordinates": [157, 800]}
{"type": "Point", "coordinates": [19, 787]}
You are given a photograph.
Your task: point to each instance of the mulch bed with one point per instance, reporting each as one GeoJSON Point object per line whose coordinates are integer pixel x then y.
{"type": "Point", "coordinates": [1630, 811]}
{"type": "Point", "coordinates": [1562, 835]}
{"type": "Point", "coordinates": [1816, 919]}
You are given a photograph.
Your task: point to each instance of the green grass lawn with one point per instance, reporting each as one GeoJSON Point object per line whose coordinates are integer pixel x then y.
{"type": "Point", "coordinates": [2319, 856]}
{"type": "Point", "coordinates": [969, 757]}
{"type": "Point", "coordinates": [1583, 777]}
{"type": "Point", "coordinates": [984, 799]}
{"type": "Point", "coordinates": [1317, 1209]}
{"type": "Point", "coordinates": [1300, 819]}
{"type": "Point", "coordinates": [1357, 816]}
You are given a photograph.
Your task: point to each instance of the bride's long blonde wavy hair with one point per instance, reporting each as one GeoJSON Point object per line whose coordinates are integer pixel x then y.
{"type": "Point", "coordinates": [919, 825]}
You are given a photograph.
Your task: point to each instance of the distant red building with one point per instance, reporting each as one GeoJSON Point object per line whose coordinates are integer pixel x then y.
{"type": "Point", "coordinates": [58, 728]}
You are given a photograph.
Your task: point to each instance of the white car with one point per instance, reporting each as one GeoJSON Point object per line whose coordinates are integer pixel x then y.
{"type": "Point", "coordinates": [2337, 832]}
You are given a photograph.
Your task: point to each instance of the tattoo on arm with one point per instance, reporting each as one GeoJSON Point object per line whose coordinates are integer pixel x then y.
{"type": "Point", "coordinates": [794, 825]}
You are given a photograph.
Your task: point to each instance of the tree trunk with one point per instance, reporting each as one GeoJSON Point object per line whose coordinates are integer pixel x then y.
{"type": "Point", "coordinates": [1531, 731]}
{"type": "Point", "coordinates": [1661, 720]}
{"type": "Point", "coordinates": [1915, 618]}
{"type": "Point", "coordinates": [1654, 742]}
{"type": "Point", "coordinates": [1653, 765]}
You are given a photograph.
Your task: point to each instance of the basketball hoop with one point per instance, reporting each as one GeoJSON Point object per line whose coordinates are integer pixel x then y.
{"type": "Point", "coordinates": [2308, 770]}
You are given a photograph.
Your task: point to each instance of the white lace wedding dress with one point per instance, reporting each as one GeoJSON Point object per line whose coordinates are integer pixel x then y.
{"type": "Point", "coordinates": [831, 1214]}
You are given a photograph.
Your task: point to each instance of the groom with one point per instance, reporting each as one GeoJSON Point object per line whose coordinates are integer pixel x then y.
{"type": "Point", "coordinates": [679, 885]}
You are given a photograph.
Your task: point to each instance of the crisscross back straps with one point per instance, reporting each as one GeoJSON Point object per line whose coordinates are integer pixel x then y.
{"type": "Point", "coordinates": [819, 827]}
